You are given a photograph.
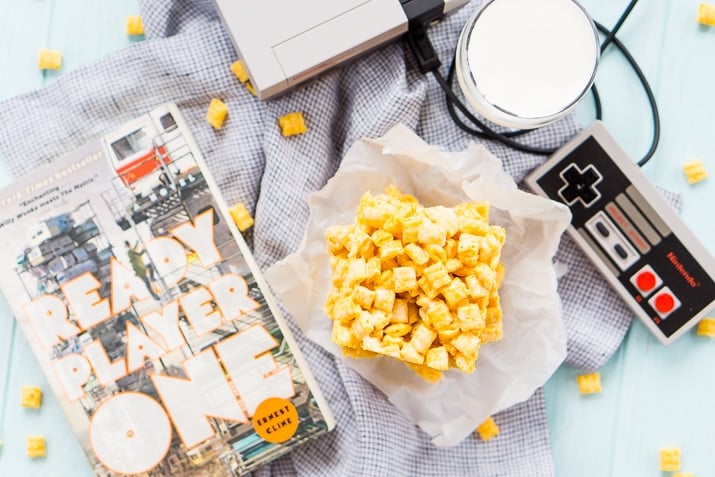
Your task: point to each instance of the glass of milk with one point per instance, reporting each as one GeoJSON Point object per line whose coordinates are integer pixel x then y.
{"type": "Point", "coordinates": [526, 63]}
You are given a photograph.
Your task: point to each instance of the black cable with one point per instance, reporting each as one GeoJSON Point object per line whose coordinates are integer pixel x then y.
{"type": "Point", "coordinates": [619, 23]}
{"type": "Point", "coordinates": [648, 91]}
{"type": "Point", "coordinates": [429, 63]}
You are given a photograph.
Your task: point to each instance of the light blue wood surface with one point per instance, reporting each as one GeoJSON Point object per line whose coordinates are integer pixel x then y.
{"type": "Point", "coordinates": [653, 396]}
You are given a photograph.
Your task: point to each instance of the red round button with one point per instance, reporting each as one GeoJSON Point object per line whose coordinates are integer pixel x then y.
{"type": "Point", "coordinates": [664, 303]}
{"type": "Point", "coordinates": [646, 281]}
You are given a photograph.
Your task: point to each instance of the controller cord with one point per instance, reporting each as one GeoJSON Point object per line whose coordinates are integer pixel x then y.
{"type": "Point", "coordinates": [428, 62]}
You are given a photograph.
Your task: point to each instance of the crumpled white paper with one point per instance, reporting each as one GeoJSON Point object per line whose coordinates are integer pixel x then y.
{"type": "Point", "coordinates": [534, 343]}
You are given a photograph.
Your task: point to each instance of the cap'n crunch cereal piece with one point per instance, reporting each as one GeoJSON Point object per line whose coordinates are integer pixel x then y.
{"type": "Point", "coordinates": [706, 327]}
{"type": "Point", "coordinates": [670, 459]}
{"type": "Point", "coordinates": [467, 344]}
{"type": "Point", "coordinates": [706, 14]}
{"type": "Point", "coordinates": [135, 26]}
{"type": "Point", "coordinates": [240, 216]}
{"type": "Point", "coordinates": [695, 171]}
{"type": "Point", "coordinates": [409, 353]}
{"type": "Point", "coordinates": [488, 429]}
{"type": "Point", "coordinates": [36, 447]}
{"type": "Point", "coordinates": [422, 338]}
{"type": "Point", "coordinates": [589, 383]}
{"type": "Point", "coordinates": [437, 275]}
{"type": "Point", "coordinates": [49, 59]}
{"type": "Point", "coordinates": [390, 249]}
{"type": "Point", "coordinates": [455, 292]}
{"type": "Point", "coordinates": [249, 86]}
{"type": "Point", "coordinates": [239, 70]}
{"type": "Point", "coordinates": [291, 124]}
{"type": "Point", "coordinates": [384, 299]}
{"type": "Point", "coordinates": [31, 397]}
{"type": "Point", "coordinates": [437, 358]}
{"type": "Point", "coordinates": [468, 248]}
{"type": "Point", "coordinates": [364, 297]}
{"type": "Point", "coordinates": [405, 278]}
{"type": "Point", "coordinates": [470, 318]}
{"type": "Point", "coordinates": [216, 114]}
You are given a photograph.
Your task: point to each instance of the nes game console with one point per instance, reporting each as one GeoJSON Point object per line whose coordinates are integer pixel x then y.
{"type": "Point", "coordinates": [284, 43]}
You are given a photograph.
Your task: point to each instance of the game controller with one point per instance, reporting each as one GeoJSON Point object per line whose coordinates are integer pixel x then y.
{"type": "Point", "coordinates": [632, 235]}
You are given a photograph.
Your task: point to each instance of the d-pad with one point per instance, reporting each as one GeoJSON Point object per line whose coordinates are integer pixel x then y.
{"type": "Point", "coordinates": [580, 184]}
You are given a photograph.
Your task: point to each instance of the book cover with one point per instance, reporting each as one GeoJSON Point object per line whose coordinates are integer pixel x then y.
{"type": "Point", "coordinates": [147, 312]}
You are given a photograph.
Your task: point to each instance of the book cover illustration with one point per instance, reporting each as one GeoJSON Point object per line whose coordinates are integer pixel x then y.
{"type": "Point", "coordinates": [147, 313]}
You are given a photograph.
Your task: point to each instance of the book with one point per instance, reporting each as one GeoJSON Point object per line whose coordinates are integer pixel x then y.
{"type": "Point", "coordinates": [148, 315]}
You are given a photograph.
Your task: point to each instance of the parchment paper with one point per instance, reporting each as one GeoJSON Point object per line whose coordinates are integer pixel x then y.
{"type": "Point", "coordinates": [534, 343]}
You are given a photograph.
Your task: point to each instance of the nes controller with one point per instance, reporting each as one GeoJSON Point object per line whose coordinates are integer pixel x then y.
{"type": "Point", "coordinates": [632, 235]}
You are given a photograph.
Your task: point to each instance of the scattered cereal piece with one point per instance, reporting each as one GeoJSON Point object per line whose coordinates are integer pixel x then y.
{"type": "Point", "coordinates": [31, 397]}
{"type": "Point", "coordinates": [488, 429]}
{"type": "Point", "coordinates": [292, 124]}
{"type": "Point", "coordinates": [49, 59]}
{"type": "Point", "coordinates": [589, 383]}
{"type": "Point", "coordinates": [250, 88]}
{"type": "Point", "coordinates": [684, 474]}
{"type": "Point", "coordinates": [36, 447]}
{"type": "Point", "coordinates": [135, 26]}
{"type": "Point", "coordinates": [403, 287]}
{"type": "Point", "coordinates": [695, 171]}
{"type": "Point", "coordinates": [216, 113]}
{"type": "Point", "coordinates": [239, 69]}
{"type": "Point", "coordinates": [241, 217]}
{"type": "Point", "coordinates": [706, 14]}
{"type": "Point", "coordinates": [670, 459]}
{"type": "Point", "coordinates": [706, 327]}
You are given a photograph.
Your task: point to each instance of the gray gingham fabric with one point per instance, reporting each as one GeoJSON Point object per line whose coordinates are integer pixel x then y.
{"type": "Point", "coordinates": [185, 59]}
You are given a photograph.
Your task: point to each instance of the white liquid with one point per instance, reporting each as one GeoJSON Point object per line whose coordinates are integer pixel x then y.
{"type": "Point", "coordinates": [532, 58]}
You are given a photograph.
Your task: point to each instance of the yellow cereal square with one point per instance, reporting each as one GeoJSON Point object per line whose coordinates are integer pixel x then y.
{"type": "Point", "coordinates": [437, 358]}
{"type": "Point", "coordinates": [390, 249]}
{"type": "Point", "coordinates": [670, 459]}
{"type": "Point", "coordinates": [31, 397]}
{"type": "Point", "coordinates": [405, 279]}
{"type": "Point", "coordinates": [384, 299]}
{"type": "Point", "coordinates": [706, 327]}
{"type": "Point", "coordinates": [706, 14]}
{"type": "Point", "coordinates": [292, 124]}
{"type": "Point", "coordinates": [135, 26]}
{"type": "Point", "coordinates": [49, 59]}
{"type": "Point", "coordinates": [470, 318]}
{"type": "Point", "coordinates": [468, 248]}
{"type": "Point", "coordinates": [467, 344]}
{"type": "Point", "coordinates": [488, 429]}
{"type": "Point", "coordinates": [36, 447]}
{"type": "Point", "coordinates": [437, 275]}
{"type": "Point", "coordinates": [240, 216]}
{"type": "Point", "coordinates": [422, 338]}
{"type": "Point", "coordinates": [364, 296]}
{"type": "Point", "coordinates": [455, 293]}
{"type": "Point", "coordinates": [695, 171]}
{"type": "Point", "coordinates": [589, 383]}
{"type": "Point", "coordinates": [238, 68]}
{"type": "Point", "coordinates": [438, 315]}
{"type": "Point", "coordinates": [416, 253]}
{"type": "Point", "coordinates": [409, 353]}
{"type": "Point", "coordinates": [216, 114]}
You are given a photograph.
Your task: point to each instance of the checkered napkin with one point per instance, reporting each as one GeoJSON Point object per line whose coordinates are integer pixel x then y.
{"type": "Point", "coordinates": [185, 59]}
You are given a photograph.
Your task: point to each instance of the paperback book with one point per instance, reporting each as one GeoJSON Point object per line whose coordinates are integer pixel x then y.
{"type": "Point", "coordinates": [141, 300]}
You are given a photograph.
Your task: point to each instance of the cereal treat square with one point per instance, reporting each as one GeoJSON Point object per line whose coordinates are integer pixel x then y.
{"type": "Point", "coordinates": [670, 459]}
{"type": "Point", "coordinates": [31, 397]}
{"type": "Point", "coordinates": [589, 383]}
{"type": "Point", "coordinates": [488, 429]}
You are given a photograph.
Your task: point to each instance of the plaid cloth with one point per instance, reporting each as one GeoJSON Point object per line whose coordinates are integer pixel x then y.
{"type": "Point", "coordinates": [186, 60]}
